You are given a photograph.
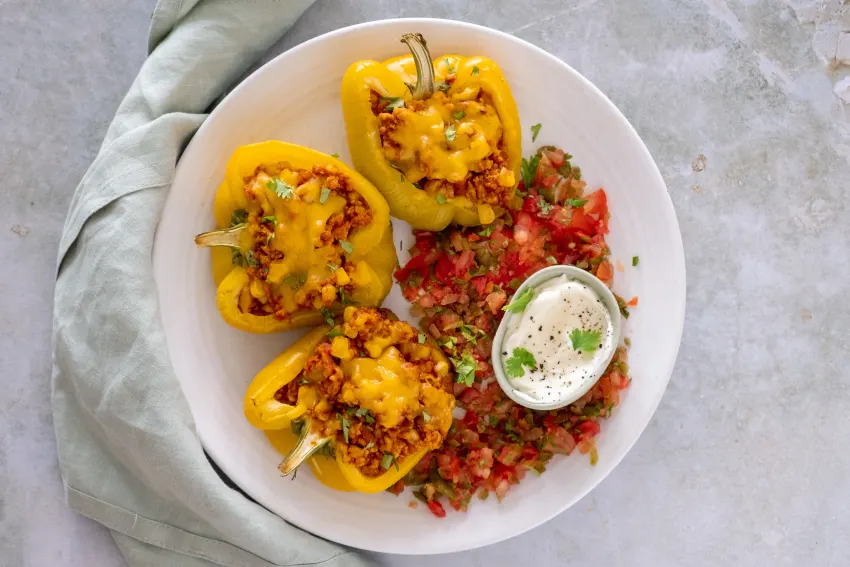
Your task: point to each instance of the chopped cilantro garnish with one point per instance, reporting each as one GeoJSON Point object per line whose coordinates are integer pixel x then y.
{"type": "Point", "coordinates": [459, 115]}
{"type": "Point", "coordinates": [576, 202]}
{"type": "Point", "coordinates": [528, 169]}
{"type": "Point", "coordinates": [335, 332]}
{"type": "Point", "coordinates": [534, 131]}
{"type": "Point", "coordinates": [238, 217]}
{"type": "Point", "coordinates": [335, 155]}
{"type": "Point", "coordinates": [468, 332]}
{"type": "Point", "coordinates": [475, 70]}
{"type": "Point", "coordinates": [486, 232]}
{"type": "Point", "coordinates": [451, 132]}
{"type": "Point", "coordinates": [271, 218]}
{"type": "Point", "coordinates": [544, 206]}
{"type": "Point", "coordinates": [323, 196]}
{"type": "Point", "coordinates": [441, 199]}
{"type": "Point", "coordinates": [426, 416]}
{"type": "Point", "coordinates": [388, 461]}
{"type": "Point", "coordinates": [329, 318]}
{"type": "Point", "coordinates": [519, 357]}
{"type": "Point", "coordinates": [347, 246]}
{"type": "Point", "coordinates": [494, 421]}
{"type": "Point", "coordinates": [422, 338]}
{"type": "Point", "coordinates": [585, 341]}
{"type": "Point", "coordinates": [394, 102]}
{"type": "Point", "coordinates": [280, 188]}
{"type": "Point", "coordinates": [449, 67]}
{"type": "Point", "coordinates": [236, 257]}
{"type": "Point", "coordinates": [292, 281]}
{"type": "Point", "coordinates": [343, 299]}
{"type": "Point", "coordinates": [345, 425]}
{"type": "Point", "coordinates": [519, 302]}
{"type": "Point", "coordinates": [465, 367]}
{"type": "Point", "coordinates": [635, 260]}
{"type": "Point", "coordinates": [333, 268]}
{"type": "Point", "coordinates": [250, 259]}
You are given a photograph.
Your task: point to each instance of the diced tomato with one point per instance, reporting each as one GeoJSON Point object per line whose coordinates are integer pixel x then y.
{"type": "Point", "coordinates": [556, 157]}
{"type": "Point", "coordinates": [479, 462]}
{"type": "Point", "coordinates": [588, 429]}
{"type": "Point", "coordinates": [397, 488]}
{"type": "Point", "coordinates": [496, 300]}
{"type": "Point", "coordinates": [559, 440]}
{"type": "Point", "coordinates": [448, 466]}
{"type": "Point", "coordinates": [464, 263]}
{"type": "Point", "coordinates": [509, 455]}
{"type": "Point", "coordinates": [604, 272]}
{"type": "Point", "coordinates": [436, 509]}
{"type": "Point", "coordinates": [633, 302]}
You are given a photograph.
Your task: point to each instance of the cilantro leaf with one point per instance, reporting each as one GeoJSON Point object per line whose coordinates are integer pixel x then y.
{"type": "Point", "coordinates": [271, 218]}
{"type": "Point", "coordinates": [236, 257]}
{"type": "Point", "coordinates": [335, 155]}
{"type": "Point", "coordinates": [335, 332]}
{"type": "Point", "coordinates": [451, 132]}
{"type": "Point", "coordinates": [329, 317]}
{"type": "Point", "coordinates": [347, 246]}
{"type": "Point", "coordinates": [486, 232]}
{"type": "Point", "coordinates": [345, 425]}
{"type": "Point", "coordinates": [280, 188]}
{"type": "Point", "coordinates": [585, 341]}
{"type": "Point", "coordinates": [459, 115]}
{"type": "Point", "coordinates": [323, 197]}
{"type": "Point", "coordinates": [292, 281]}
{"type": "Point", "coordinates": [519, 302]}
{"type": "Point", "coordinates": [449, 67]}
{"type": "Point", "coordinates": [441, 199]}
{"type": "Point", "coordinates": [465, 367]}
{"type": "Point", "coordinates": [475, 70]}
{"type": "Point", "coordinates": [333, 268]}
{"type": "Point", "coordinates": [388, 461]}
{"type": "Point", "coordinates": [576, 202]}
{"type": "Point", "coordinates": [544, 206]}
{"type": "Point", "coordinates": [251, 259]}
{"type": "Point", "coordinates": [519, 357]}
{"type": "Point", "coordinates": [394, 102]}
{"type": "Point", "coordinates": [528, 169]}
{"type": "Point", "coordinates": [238, 217]}
{"type": "Point", "coordinates": [635, 260]}
{"type": "Point", "coordinates": [534, 131]}
{"type": "Point", "coordinates": [468, 332]}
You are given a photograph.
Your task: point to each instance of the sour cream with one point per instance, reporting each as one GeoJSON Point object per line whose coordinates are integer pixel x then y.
{"type": "Point", "coordinates": [560, 308]}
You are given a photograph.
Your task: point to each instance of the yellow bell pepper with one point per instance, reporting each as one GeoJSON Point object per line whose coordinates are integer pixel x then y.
{"type": "Point", "coordinates": [460, 78]}
{"type": "Point", "coordinates": [265, 412]}
{"type": "Point", "coordinates": [369, 252]}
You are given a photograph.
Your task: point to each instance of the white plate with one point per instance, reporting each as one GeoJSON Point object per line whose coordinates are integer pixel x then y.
{"type": "Point", "coordinates": [295, 98]}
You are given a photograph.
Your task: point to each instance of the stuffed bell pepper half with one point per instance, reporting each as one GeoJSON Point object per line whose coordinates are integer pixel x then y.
{"type": "Point", "coordinates": [372, 391]}
{"type": "Point", "coordinates": [300, 236]}
{"type": "Point", "coordinates": [441, 140]}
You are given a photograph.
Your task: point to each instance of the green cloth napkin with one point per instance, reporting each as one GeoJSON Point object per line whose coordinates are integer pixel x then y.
{"type": "Point", "coordinates": [128, 450]}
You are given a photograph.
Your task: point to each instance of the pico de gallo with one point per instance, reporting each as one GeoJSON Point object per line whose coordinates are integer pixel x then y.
{"type": "Point", "coordinates": [458, 281]}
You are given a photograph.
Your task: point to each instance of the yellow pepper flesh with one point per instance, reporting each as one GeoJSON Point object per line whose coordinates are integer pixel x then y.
{"type": "Point", "coordinates": [372, 249]}
{"type": "Point", "coordinates": [388, 79]}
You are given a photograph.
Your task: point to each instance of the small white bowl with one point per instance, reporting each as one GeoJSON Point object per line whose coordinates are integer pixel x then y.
{"type": "Point", "coordinates": [533, 282]}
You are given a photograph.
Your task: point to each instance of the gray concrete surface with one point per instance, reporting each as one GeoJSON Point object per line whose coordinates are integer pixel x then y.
{"type": "Point", "coordinates": [739, 102]}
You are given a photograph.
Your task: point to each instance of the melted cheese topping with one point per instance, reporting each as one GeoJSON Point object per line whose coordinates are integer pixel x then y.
{"type": "Point", "coordinates": [436, 144]}
{"type": "Point", "coordinates": [387, 386]}
{"type": "Point", "coordinates": [300, 223]}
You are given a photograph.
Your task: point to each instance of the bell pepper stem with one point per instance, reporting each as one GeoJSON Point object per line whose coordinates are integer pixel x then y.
{"type": "Point", "coordinates": [308, 443]}
{"type": "Point", "coordinates": [425, 80]}
{"type": "Point", "coordinates": [227, 237]}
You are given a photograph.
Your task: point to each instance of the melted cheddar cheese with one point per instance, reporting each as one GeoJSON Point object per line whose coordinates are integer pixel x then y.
{"type": "Point", "coordinates": [446, 138]}
{"type": "Point", "coordinates": [387, 386]}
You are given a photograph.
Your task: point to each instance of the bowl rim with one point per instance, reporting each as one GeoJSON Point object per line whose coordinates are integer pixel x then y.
{"type": "Point", "coordinates": [534, 281]}
{"type": "Point", "coordinates": [677, 260]}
